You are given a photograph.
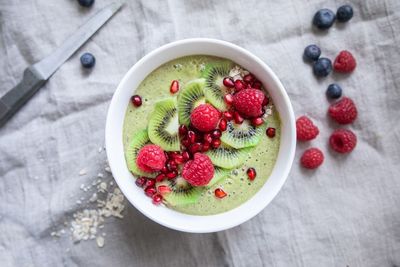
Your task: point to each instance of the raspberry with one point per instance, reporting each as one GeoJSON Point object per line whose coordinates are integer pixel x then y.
{"type": "Point", "coordinates": [343, 141]}
{"type": "Point", "coordinates": [199, 171]}
{"type": "Point", "coordinates": [344, 111]}
{"type": "Point", "coordinates": [205, 117]}
{"type": "Point", "coordinates": [312, 158]}
{"type": "Point", "coordinates": [345, 62]}
{"type": "Point", "coordinates": [151, 158]}
{"type": "Point", "coordinates": [248, 102]}
{"type": "Point", "coordinates": [305, 128]}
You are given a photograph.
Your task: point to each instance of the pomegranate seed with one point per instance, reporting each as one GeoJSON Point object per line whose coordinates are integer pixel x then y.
{"type": "Point", "coordinates": [150, 191]}
{"type": "Point", "coordinates": [208, 138]}
{"type": "Point", "coordinates": [164, 189]}
{"type": "Point", "coordinates": [136, 100]}
{"type": "Point", "coordinates": [238, 119]}
{"type": "Point", "coordinates": [157, 199]}
{"type": "Point", "coordinates": [265, 101]}
{"type": "Point", "coordinates": [257, 85]}
{"type": "Point", "coordinates": [172, 175]}
{"type": "Point", "coordinates": [205, 147]}
{"type": "Point", "coordinates": [219, 193]}
{"type": "Point", "coordinates": [222, 125]}
{"type": "Point", "coordinates": [248, 86]}
{"type": "Point", "coordinates": [249, 78]}
{"type": "Point", "coordinates": [185, 155]}
{"type": "Point", "coordinates": [251, 173]}
{"type": "Point", "coordinates": [192, 137]}
{"type": "Point", "coordinates": [228, 82]}
{"type": "Point", "coordinates": [216, 134]}
{"type": "Point", "coordinates": [179, 159]}
{"type": "Point", "coordinates": [183, 130]}
{"type": "Point", "coordinates": [228, 99]}
{"type": "Point", "coordinates": [257, 121]}
{"type": "Point", "coordinates": [150, 182]}
{"type": "Point", "coordinates": [172, 154]}
{"type": "Point", "coordinates": [239, 85]}
{"type": "Point", "coordinates": [140, 181]}
{"type": "Point", "coordinates": [174, 87]}
{"type": "Point", "coordinates": [164, 169]}
{"type": "Point", "coordinates": [216, 143]}
{"type": "Point", "coordinates": [196, 147]}
{"type": "Point", "coordinates": [171, 165]}
{"type": "Point", "coordinates": [199, 137]}
{"type": "Point", "coordinates": [228, 115]}
{"type": "Point", "coordinates": [271, 132]}
{"type": "Point", "coordinates": [160, 177]}
{"type": "Point", "coordinates": [185, 142]}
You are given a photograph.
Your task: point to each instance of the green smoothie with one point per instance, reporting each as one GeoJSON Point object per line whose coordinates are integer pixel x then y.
{"type": "Point", "coordinates": [238, 187]}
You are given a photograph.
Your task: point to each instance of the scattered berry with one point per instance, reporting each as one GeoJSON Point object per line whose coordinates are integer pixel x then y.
{"type": "Point", "coordinates": [239, 85]}
{"type": "Point", "coordinates": [312, 158]}
{"type": "Point", "coordinates": [343, 141]}
{"type": "Point", "coordinates": [312, 53]}
{"type": "Point", "coordinates": [344, 13]}
{"type": "Point", "coordinates": [157, 199]}
{"type": "Point", "coordinates": [86, 3]}
{"type": "Point", "coordinates": [136, 100]}
{"type": "Point", "coordinates": [219, 193]}
{"type": "Point", "coordinates": [334, 91]}
{"type": "Point", "coordinates": [199, 171]}
{"type": "Point", "coordinates": [205, 117]}
{"type": "Point", "coordinates": [324, 19]}
{"type": "Point", "coordinates": [322, 67]}
{"type": "Point", "coordinates": [271, 132]}
{"type": "Point", "coordinates": [228, 82]}
{"type": "Point", "coordinates": [88, 60]}
{"type": "Point", "coordinates": [344, 111]}
{"type": "Point", "coordinates": [248, 102]}
{"type": "Point", "coordinates": [150, 191]}
{"type": "Point", "coordinates": [251, 173]}
{"type": "Point", "coordinates": [345, 62]}
{"type": "Point", "coordinates": [140, 181]}
{"type": "Point", "coordinates": [174, 88]}
{"type": "Point", "coordinates": [151, 158]}
{"type": "Point", "coordinates": [305, 129]}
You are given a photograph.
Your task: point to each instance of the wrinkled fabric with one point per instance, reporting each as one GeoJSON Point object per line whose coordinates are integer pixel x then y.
{"type": "Point", "coordinates": [346, 213]}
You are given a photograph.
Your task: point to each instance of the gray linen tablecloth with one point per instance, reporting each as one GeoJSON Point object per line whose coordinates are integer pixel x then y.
{"type": "Point", "coordinates": [346, 213]}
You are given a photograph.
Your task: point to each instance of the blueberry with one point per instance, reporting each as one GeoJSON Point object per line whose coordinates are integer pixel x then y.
{"type": "Point", "coordinates": [334, 91]}
{"type": "Point", "coordinates": [344, 13]}
{"type": "Point", "coordinates": [312, 52]}
{"type": "Point", "coordinates": [88, 60]}
{"type": "Point", "coordinates": [322, 67]}
{"type": "Point", "coordinates": [324, 19]}
{"type": "Point", "coordinates": [86, 3]}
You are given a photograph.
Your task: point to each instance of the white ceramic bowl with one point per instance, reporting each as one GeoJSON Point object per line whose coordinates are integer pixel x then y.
{"type": "Point", "coordinates": [114, 143]}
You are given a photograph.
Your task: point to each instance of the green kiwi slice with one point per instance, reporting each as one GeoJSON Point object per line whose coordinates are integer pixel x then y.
{"type": "Point", "coordinates": [139, 139]}
{"type": "Point", "coordinates": [242, 135]}
{"type": "Point", "coordinates": [228, 157]}
{"type": "Point", "coordinates": [215, 89]}
{"type": "Point", "coordinates": [191, 96]}
{"type": "Point", "coordinates": [182, 192]}
{"type": "Point", "coordinates": [163, 125]}
{"type": "Point", "coordinates": [219, 175]}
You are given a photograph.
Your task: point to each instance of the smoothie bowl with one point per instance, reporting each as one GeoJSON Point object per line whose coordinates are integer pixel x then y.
{"type": "Point", "coordinates": [200, 135]}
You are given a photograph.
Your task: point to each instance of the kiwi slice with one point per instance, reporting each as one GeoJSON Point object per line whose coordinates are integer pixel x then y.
{"type": "Point", "coordinates": [228, 157]}
{"type": "Point", "coordinates": [242, 135]}
{"type": "Point", "coordinates": [163, 125]}
{"type": "Point", "coordinates": [219, 175]}
{"type": "Point", "coordinates": [215, 89]}
{"type": "Point", "coordinates": [191, 96]}
{"type": "Point", "coordinates": [182, 192]}
{"type": "Point", "coordinates": [140, 139]}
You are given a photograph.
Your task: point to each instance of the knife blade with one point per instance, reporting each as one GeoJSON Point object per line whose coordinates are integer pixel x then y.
{"type": "Point", "coordinates": [36, 75]}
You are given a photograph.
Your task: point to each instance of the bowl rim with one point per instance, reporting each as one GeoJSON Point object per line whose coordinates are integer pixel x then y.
{"type": "Point", "coordinates": [171, 218]}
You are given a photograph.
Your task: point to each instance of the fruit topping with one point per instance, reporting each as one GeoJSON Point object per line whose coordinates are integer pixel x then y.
{"type": "Point", "coordinates": [157, 199]}
{"type": "Point", "coordinates": [199, 171]}
{"type": "Point", "coordinates": [248, 102]}
{"type": "Point", "coordinates": [244, 135]}
{"type": "Point", "coordinates": [190, 97]}
{"type": "Point", "coordinates": [151, 158]}
{"type": "Point", "coordinates": [271, 132]}
{"type": "Point", "coordinates": [205, 117]}
{"type": "Point", "coordinates": [219, 193]}
{"type": "Point", "coordinates": [150, 191]}
{"type": "Point", "coordinates": [174, 88]}
{"type": "Point", "coordinates": [136, 100]}
{"type": "Point", "coordinates": [251, 174]}
{"type": "Point", "coordinates": [228, 82]}
{"type": "Point", "coordinates": [140, 181]}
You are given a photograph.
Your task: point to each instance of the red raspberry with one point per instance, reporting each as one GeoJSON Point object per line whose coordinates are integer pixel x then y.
{"type": "Point", "coordinates": [312, 158]}
{"type": "Point", "coordinates": [343, 141]}
{"type": "Point", "coordinates": [199, 171]}
{"type": "Point", "coordinates": [151, 158]}
{"type": "Point", "coordinates": [306, 130]}
{"type": "Point", "coordinates": [344, 111]}
{"type": "Point", "coordinates": [345, 62]}
{"type": "Point", "coordinates": [249, 102]}
{"type": "Point", "coordinates": [205, 117]}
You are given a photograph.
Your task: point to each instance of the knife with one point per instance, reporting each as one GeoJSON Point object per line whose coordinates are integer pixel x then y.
{"type": "Point", "coordinates": [36, 75]}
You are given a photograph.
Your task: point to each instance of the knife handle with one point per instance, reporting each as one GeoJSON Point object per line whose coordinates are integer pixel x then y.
{"type": "Point", "coordinates": [14, 99]}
